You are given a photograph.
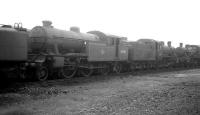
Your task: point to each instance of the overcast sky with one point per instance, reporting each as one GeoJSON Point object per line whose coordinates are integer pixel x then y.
{"type": "Point", "coordinates": [174, 20]}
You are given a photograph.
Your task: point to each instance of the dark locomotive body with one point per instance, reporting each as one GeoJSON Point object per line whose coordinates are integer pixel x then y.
{"type": "Point", "coordinates": [166, 55]}
{"type": "Point", "coordinates": [111, 52]}
{"type": "Point", "coordinates": [143, 54]}
{"type": "Point", "coordinates": [46, 51]}
{"type": "Point", "coordinates": [193, 52]}
{"type": "Point", "coordinates": [183, 58]}
{"type": "Point", "coordinates": [13, 48]}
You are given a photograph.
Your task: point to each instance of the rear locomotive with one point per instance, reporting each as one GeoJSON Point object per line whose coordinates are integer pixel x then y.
{"type": "Point", "coordinates": [13, 48]}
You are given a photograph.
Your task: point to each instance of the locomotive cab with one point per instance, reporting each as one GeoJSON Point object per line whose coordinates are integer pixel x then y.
{"type": "Point", "coordinates": [109, 48]}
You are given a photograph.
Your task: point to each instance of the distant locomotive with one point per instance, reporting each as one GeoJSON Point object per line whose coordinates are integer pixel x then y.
{"type": "Point", "coordinates": [193, 52]}
{"type": "Point", "coordinates": [45, 51]}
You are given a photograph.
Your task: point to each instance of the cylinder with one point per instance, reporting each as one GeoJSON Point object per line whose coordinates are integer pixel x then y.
{"type": "Point", "coordinates": [181, 45]}
{"type": "Point", "coordinates": [169, 44]}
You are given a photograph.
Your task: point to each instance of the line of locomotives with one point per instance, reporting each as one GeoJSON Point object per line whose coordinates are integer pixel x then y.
{"type": "Point", "coordinates": [45, 51]}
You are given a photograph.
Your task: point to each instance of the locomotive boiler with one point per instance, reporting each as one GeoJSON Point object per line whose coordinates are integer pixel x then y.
{"type": "Point", "coordinates": [51, 40]}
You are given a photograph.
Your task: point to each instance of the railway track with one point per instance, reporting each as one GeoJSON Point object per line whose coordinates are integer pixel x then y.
{"type": "Point", "coordinates": [142, 92]}
{"type": "Point", "coordinates": [13, 85]}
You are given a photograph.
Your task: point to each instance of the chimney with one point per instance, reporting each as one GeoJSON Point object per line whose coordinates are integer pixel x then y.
{"type": "Point", "coordinates": [47, 23]}
{"type": "Point", "coordinates": [162, 43]}
{"type": "Point", "coordinates": [181, 45]}
{"type": "Point", "coordinates": [187, 46]}
{"type": "Point", "coordinates": [169, 44]}
{"type": "Point", "coordinates": [75, 29]}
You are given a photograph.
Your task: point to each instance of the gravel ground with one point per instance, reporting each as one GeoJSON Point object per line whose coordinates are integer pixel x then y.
{"type": "Point", "coordinates": [166, 93]}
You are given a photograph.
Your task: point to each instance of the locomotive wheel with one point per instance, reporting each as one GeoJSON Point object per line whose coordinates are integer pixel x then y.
{"type": "Point", "coordinates": [86, 72]}
{"type": "Point", "coordinates": [68, 71]}
{"type": "Point", "coordinates": [105, 70]}
{"type": "Point", "coordinates": [132, 68]}
{"type": "Point", "coordinates": [117, 68]}
{"type": "Point", "coordinates": [22, 75]}
{"type": "Point", "coordinates": [41, 73]}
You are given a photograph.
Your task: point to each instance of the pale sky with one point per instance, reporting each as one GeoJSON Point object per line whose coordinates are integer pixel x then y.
{"type": "Point", "coordinates": [174, 20]}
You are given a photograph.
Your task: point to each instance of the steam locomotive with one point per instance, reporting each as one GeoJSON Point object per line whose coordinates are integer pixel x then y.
{"type": "Point", "coordinates": [45, 51]}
